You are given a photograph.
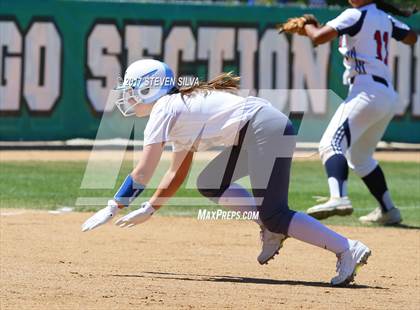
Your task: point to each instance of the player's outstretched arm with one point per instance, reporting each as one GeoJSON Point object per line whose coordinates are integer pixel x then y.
{"type": "Point", "coordinates": [320, 35]}
{"type": "Point", "coordinates": [131, 188]}
{"type": "Point", "coordinates": [170, 183]}
{"type": "Point", "coordinates": [173, 179]}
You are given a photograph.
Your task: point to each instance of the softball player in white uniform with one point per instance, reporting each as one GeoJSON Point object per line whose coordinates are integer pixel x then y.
{"type": "Point", "coordinates": [258, 141]}
{"type": "Point", "coordinates": [358, 125]}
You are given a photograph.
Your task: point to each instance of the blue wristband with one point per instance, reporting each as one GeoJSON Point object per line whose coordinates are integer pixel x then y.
{"type": "Point", "coordinates": [128, 191]}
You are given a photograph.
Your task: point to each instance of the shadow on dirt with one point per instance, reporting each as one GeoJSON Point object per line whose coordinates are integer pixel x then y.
{"type": "Point", "coordinates": [404, 226]}
{"type": "Point", "coordinates": [232, 279]}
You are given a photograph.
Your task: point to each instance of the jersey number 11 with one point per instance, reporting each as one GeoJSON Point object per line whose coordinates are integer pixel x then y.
{"type": "Point", "coordinates": [380, 41]}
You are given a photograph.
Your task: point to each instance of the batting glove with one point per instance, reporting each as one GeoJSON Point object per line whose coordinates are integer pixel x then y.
{"type": "Point", "coordinates": [136, 217]}
{"type": "Point", "coordinates": [102, 216]}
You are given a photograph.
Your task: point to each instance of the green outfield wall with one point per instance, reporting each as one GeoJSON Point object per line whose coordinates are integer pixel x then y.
{"type": "Point", "coordinates": [58, 60]}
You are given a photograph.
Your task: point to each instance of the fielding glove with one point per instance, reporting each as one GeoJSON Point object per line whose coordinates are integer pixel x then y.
{"type": "Point", "coordinates": [136, 217]}
{"type": "Point", "coordinates": [297, 24]}
{"type": "Point", "coordinates": [102, 216]}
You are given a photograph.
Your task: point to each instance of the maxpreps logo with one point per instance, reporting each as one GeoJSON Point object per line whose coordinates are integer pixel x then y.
{"type": "Point", "coordinates": [219, 214]}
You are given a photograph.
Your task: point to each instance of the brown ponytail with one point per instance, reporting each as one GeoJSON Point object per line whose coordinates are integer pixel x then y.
{"type": "Point", "coordinates": [392, 9]}
{"type": "Point", "coordinates": [225, 81]}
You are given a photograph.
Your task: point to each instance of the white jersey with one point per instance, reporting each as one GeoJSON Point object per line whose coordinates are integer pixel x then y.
{"type": "Point", "coordinates": [200, 121]}
{"type": "Point", "coordinates": [365, 33]}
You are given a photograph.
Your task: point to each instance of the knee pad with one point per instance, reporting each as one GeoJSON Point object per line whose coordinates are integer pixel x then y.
{"type": "Point", "coordinates": [362, 169]}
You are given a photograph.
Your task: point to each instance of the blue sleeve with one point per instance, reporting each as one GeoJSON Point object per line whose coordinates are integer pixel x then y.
{"type": "Point", "coordinates": [128, 191]}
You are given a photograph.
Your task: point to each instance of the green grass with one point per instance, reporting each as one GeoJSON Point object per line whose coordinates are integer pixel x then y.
{"type": "Point", "coordinates": [48, 185]}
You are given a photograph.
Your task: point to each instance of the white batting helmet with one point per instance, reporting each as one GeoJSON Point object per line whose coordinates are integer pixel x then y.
{"type": "Point", "coordinates": [145, 81]}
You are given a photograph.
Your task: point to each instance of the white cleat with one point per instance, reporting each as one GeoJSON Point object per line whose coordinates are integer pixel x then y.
{"type": "Point", "coordinates": [271, 244]}
{"type": "Point", "coordinates": [349, 261]}
{"type": "Point", "coordinates": [335, 206]}
{"type": "Point", "coordinates": [392, 217]}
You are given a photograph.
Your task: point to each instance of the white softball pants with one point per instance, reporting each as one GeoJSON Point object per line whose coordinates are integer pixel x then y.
{"type": "Point", "coordinates": [359, 123]}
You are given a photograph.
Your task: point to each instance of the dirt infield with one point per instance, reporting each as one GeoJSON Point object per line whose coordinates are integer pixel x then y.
{"type": "Point", "coordinates": [47, 263]}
